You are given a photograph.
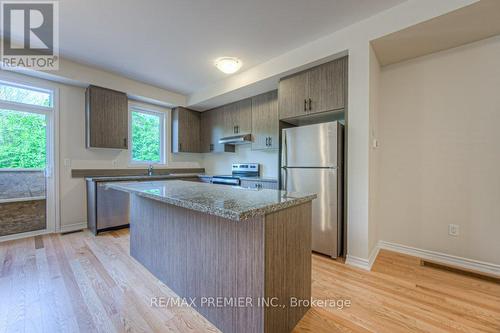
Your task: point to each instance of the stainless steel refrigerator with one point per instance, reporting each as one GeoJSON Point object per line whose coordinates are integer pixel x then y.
{"type": "Point", "coordinates": [312, 161]}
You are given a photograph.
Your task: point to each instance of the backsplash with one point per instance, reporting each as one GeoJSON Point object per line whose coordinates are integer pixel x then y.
{"type": "Point", "coordinates": [220, 163]}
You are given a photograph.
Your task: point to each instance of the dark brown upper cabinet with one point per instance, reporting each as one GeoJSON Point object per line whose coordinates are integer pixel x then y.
{"type": "Point", "coordinates": [292, 96]}
{"type": "Point", "coordinates": [185, 131]}
{"type": "Point", "coordinates": [265, 121]}
{"type": "Point", "coordinates": [206, 120]}
{"type": "Point", "coordinates": [319, 89]}
{"type": "Point", "coordinates": [213, 124]}
{"type": "Point", "coordinates": [106, 118]}
{"type": "Point", "coordinates": [237, 117]}
{"type": "Point", "coordinates": [242, 116]}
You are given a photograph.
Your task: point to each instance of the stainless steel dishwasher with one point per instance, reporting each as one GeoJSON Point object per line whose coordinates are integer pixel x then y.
{"type": "Point", "coordinates": [107, 209]}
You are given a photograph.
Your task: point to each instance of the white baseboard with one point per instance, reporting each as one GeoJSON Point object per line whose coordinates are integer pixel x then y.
{"type": "Point", "coordinates": [443, 258]}
{"type": "Point", "coordinates": [73, 227]}
{"type": "Point", "coordinates": [438, 257]}
{"type": "Point", "coordinates": [357, 262]}
{"type": "Point", "coordinates": [24, 235]}
{"type": "Point", "coordinates": [362, 263]}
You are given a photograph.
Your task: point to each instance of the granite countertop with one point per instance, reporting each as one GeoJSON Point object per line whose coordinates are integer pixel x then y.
{"type": "Point", "coordinates": [234, 203]}
{"type": "Point", "coordinates": [141, 177]}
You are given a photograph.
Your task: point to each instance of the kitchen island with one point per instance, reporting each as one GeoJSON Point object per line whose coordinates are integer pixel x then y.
{"type": "Point", "coordinates": [241, 257]}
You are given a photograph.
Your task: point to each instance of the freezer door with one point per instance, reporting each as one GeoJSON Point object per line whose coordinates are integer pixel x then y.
{"type": "Point", "coordinates": [326, 212]}
{"type": "Point", "coordinates": [311, 146]}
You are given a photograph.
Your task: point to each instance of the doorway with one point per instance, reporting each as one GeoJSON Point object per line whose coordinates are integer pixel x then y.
{"type": "Point", "coordinates": [27, 180]}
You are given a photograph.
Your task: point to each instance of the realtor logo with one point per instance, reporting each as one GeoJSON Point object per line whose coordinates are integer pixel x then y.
{"type": "Point", "coordinates": [30, 37]}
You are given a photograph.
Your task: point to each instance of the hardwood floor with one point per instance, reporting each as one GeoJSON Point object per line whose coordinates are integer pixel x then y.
{"type": "Point", "coordinates": [81, 283]}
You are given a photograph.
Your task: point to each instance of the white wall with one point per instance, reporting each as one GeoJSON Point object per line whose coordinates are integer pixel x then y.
{"type": "Point", "coordinates": [220, 163]}
{"type": "Point", "coordinates": [439, 157]}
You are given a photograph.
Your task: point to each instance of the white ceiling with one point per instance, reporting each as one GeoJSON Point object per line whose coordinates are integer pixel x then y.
{"type": "Point", "coordinates": [172, 43]}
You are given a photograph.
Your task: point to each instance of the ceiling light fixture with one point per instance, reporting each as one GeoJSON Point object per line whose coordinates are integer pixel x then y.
{"type": "Point", "coordinates": [228, 65]}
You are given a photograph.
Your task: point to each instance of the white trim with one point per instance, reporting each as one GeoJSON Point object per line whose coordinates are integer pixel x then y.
{"type": "Point", "coordinates": [9, 200]}
{"type": "Point", "coordinates": [55, 164]}
{"type": "Point", "coordinates": [357, 262]}
{"type": "Point", "coordinates": [365, 264]}
{"type": "Point", "coordinates": [443, 258]}
{"type": "Point", "coordinates": [24, 235]}
{"type": "Point", "coordinates": [25, 107]}
{"type": "Point", "coordinates": [373, 256]}
{"type": "Point", "coordinates": [73, 227]}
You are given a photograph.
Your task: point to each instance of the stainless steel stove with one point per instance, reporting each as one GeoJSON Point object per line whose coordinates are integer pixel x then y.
{"type": "Point", "coordinates": [238, 170]}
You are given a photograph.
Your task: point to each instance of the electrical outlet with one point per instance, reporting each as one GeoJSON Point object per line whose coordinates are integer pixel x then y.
{"type": "Point", "coordinates": [453, 230]}
{"type": "Point", "coordinates": [114, 163]}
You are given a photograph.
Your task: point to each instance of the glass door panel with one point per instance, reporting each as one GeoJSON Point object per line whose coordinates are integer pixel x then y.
{"type": "Point", "coordinates": [23, 166]}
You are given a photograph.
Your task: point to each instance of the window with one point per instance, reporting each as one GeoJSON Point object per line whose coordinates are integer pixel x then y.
{"type": "Point", "coordinates": [25, 95]}
{"type": "Point", "coordinates": [23, 126]}
{"type": "Point", "coordinates": [147, 133]}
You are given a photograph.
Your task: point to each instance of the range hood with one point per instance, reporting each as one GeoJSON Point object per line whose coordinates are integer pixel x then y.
{"type": "Point", "coordinates": [240, 139]}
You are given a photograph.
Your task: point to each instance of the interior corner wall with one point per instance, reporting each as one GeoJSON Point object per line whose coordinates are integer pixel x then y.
{"type": "Point", "coordinates": [440, 152]}
{"type": "Point", "coordinates": [358, 151]}
{"type": "Point", "coordinates": [373, 152]}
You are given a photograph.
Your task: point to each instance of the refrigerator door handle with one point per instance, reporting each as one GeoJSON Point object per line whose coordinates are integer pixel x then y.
{"type": "Point", "coordinates": [284, 153]}
{"type": "Point", "coordinates": [284, 178]}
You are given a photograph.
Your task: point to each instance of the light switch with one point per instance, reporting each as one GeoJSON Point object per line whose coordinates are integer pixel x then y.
{"type": "Point", "coordinates": [67, 162]}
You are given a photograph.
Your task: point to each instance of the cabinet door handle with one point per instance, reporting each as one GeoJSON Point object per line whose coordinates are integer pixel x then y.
{"type": "Point", "coordinates": [270, 141]}
{"type": "Point", "coordinates": [305, 105]}
{"type": "Point", "coordinates": [310, 104]}
{"type": "Point", "coordinates": [237, 129]}
{"type": "Point", "coordinates": [234, 129]}
{"type": "Point", "coordinates": [267, 141]}
{"type": "Point", "coordinates": [211, 147]}
{"type": "Point", "coordinates": [180, 146]}
{"type": "Point", "coordinates": [125, 142]}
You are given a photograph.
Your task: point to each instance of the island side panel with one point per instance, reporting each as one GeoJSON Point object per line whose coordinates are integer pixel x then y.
{"type": "Point", "coordinates": [287, 265]}
{"type": "Point", "coordinates": [200, 255]}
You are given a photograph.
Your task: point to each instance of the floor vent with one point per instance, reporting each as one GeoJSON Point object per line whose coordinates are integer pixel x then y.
{"type": "Point", "coordinates": [461, 271]}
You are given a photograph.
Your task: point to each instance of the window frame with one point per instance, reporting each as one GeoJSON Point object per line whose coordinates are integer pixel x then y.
{"type": "Point", "coordinates": [163, 128]}
{"type": "Point", "coordinates": [18, 106]}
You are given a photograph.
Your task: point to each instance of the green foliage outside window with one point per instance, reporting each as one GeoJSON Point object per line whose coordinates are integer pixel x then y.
{"type": "Point", "coordinates": [22, 140]}
{"type": "Point", "coordinates": [145, 137]}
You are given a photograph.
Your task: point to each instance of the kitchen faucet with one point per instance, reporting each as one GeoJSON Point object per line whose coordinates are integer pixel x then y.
{"type": "Point", "coordinates": [150, 170]}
